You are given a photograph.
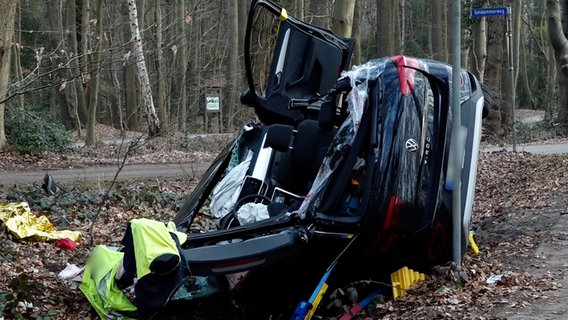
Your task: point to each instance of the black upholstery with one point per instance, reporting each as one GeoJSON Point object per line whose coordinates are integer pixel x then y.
{"type": "Point", "coordinates": [310, 145]}
{"type": "Point", "coordinates": [296, 169]}
{"type": "Point", "coordinates": [279, 137]}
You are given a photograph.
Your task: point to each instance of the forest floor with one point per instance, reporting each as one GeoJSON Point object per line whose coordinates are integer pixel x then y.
{"type": "Point", "coordinates": [520, 222]}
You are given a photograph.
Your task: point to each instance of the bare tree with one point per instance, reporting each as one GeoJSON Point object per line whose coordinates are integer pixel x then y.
{"type": "Point", "coordinates": [342, 20]}
{"type": "Point", "coordinates": [479, 43]}
{"type": "Point", "coordinates": [318, 13]}
{"type": "Point", "coordinates": [131, 97]}
{"type": "Point", "coordinates": [201, 30]}
{"type": "Point", "coordinates": [438, 29]}
{"type": "Point", "coordinates": [95, 78]}
{"type": "Point", "coordinates": [496, 76]}
{"type": "Point", "coordinates": [76, 95]}
{"type": "Point", "coordinates": [85, 26]}
{"type": "Point", "coordinates": [356, 33]}
{"type": "Point", "coordinates": [56, 96]}
{"type": "Point", "coordinates": [524, 67]}
{"type": "Point", "coordinates": [160, 68]}
{"type": "Point", "coordinates": [385, 28]}
{"type": "Point", "coordinates": [233, 75]}
{"type": "Point", "coordinates": [560, 46]}
{"type": "Point", "coordinates": [17, 63]}
{"type": "Point", "coordinates": [517, 8]}
{"type": "Point", "coordinates": [299, 9]}
{"type": "Point", "coordinates": [7, 18]}
{"type": "Point", "coordinates": [182, 17]}
{"type": "Point", "coordinates": [149, 110]}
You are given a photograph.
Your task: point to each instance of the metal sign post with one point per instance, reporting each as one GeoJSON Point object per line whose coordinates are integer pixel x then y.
{"type": "Point", "coordinates": [512, 75]}
{"type": "Point", "coordinates": [456, 143]}
{"type": "Point", "coordinates": [504, 12]}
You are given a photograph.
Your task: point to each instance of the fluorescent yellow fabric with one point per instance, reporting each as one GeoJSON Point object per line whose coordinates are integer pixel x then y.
{"type": "Point", "coordinates": [283, 14]}
{"type": "Point", "coordinates": [182, 236]}
{"type": "Point", "coordinates": [26, 226]}
{"type": "Point", "coordinates": [99, 286]}
{"type": "Point", "coordinates": [151, 239]}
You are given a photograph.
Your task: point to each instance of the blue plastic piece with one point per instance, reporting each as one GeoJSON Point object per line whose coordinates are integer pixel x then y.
{"type": "Point", "coordinates": [301, 310]}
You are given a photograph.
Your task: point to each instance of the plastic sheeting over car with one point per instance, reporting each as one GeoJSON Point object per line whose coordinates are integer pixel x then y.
{"type": "Point", "coordinates": [340, 146]}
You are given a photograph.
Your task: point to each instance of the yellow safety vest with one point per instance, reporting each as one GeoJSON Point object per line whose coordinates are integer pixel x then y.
{"type": "Point", "coordinates": [99, 286]}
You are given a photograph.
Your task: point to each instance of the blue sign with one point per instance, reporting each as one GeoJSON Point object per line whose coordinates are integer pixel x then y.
{"type": "Point", "coordinates": [489, 12]}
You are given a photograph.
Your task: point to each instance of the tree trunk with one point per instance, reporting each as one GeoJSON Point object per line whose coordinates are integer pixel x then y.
{"type": "Point", "coordinates": [243, 15]}
{"type": "Point", "coordinates": [182, 70]}
{"type": "Point", "coordinates": [117, 94]}
{"type": "Point", "coordinates": [7, 20]}
{"type": "Point", "coordinates": [299, 9]}
{"type": "Point", "coordinates": [149, 110]}
{"type": "Point", "coordinates": [506, 111]}
{"type": "Point", "coordinates": [516, 28]}
{"type": "Point", "coordinates": [385, 28]}
{"type": "Point", "coordinates": [117, 118]}
{"type": "Point", "coordinates": [447, 30]}
{"type": "Point", "coordinates": [160, 68]}
{"type": "Point", "coordinates": [131, 96]}
{"type": "Point", "coordinates": [523, 66]}
{"type": "Point", "coordinates": [479, 43]}
{"type": "Point", "coordinates": [552, 83]}
{"type": "Point", "coordinates": [563, 6]}
{"type": "Point", "coordinates": [54, 40]}
{"type": "Point", "coordinates": [78, 100]}
{"type": "Point", "coordinates": [560, 45]}
{"type": "Point", "coordinates": [427, 23]}
{"type": "Point", "coordinates": [319, 13]}
{"type": "Point", "coordinates": [402, 24]}
{"type": "Point", "coordinates": [58, 101]}
{"type": "Point", "coordinates": [342, 21]}
{"type": "Point", "coordinates": [90, 140]}
{"type": "Point", "coordinates": [19, 73]}
{"type": "Point", "coordinates": [84, 54]}
{"type": "Point", "coordinates": [357, 18]}
{"type": "Point", "coordinates": [438, 29]}
{"type": "Point", "coordinates": [495, 67]}
{"type": "Point", "coordinates": [195, 33]}
{"type": "Point", "coordinates": [233, 65]}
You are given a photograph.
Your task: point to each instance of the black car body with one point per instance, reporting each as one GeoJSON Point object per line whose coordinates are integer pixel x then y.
{"type": "Point", "coordinates": [336, 155]}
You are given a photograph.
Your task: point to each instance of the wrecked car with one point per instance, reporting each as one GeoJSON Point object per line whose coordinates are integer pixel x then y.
{"type": "Point", "coordinates": [346, 167]}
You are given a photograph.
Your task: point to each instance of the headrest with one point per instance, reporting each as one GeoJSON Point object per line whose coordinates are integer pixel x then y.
{"type": "Point", "coordinates": [278, 137]}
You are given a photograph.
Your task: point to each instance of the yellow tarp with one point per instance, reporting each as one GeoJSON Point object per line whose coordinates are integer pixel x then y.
{"type": "Point", "coordinates": [26, 226]}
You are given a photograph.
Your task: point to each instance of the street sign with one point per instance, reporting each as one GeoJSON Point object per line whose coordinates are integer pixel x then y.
{"type": "Point", "coordinates": [489, 12]}
{"type": "Point", "coordinates": [503, 12]}
{"type": "Point", "coordinates": [212, 103]}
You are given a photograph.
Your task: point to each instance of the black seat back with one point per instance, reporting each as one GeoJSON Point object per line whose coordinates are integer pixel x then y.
{"type": "Point", "coordinates": [295, 170]}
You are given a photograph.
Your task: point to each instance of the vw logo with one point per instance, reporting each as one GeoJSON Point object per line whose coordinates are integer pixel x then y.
{"type": "Point", "coordinates": [411, 145]}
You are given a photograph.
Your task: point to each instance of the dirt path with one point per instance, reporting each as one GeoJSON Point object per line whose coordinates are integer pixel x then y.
{"type": "Point", "coordinates": [106, 173]}
{"type": "Point", "coordinates": [549, 260]}
{"type": "Point", "coordinates": [190, 170]}
{"type": "Point", "coordinates": [558, 148]}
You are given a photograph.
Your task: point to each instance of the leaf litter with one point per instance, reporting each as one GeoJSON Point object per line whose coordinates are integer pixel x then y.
{"type": "Point", "coordinates": [519, 198]}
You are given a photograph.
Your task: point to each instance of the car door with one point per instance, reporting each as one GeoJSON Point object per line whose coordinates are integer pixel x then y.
{"type": "Point", "coordinates": [286, 59]}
